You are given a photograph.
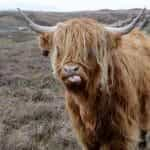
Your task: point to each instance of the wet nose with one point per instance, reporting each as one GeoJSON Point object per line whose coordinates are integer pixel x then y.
{"type": "Point", "coordinates": [70, 69]}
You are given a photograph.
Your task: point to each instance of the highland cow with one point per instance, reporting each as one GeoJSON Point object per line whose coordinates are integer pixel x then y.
{"type": "Point", "coordinates": [106, 75]}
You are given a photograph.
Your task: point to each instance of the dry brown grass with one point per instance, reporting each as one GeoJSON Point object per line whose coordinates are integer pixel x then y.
{"type": "Point", "coordinates": [32, 110]}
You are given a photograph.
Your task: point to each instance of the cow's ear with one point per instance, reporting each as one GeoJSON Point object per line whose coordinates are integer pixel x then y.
{"type": "Point", "coordinates": [46, 41]}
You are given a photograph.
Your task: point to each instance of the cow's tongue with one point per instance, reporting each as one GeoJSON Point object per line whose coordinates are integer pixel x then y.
{"type": "Point", "coordinates": [74, 79]}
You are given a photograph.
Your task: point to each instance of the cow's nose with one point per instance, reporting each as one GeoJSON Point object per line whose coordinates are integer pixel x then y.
{"type": "Point", "coordinates": [70, 69]}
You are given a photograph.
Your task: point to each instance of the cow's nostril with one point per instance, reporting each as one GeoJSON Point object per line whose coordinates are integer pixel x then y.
{"type": "Point", "coordinates": [66, 69]}
{"type": "Point", "coordinates": [75, 68]}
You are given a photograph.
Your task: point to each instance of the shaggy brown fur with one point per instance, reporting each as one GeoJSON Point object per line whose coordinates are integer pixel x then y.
{"type": "Point", "coordinates": [111, 104]}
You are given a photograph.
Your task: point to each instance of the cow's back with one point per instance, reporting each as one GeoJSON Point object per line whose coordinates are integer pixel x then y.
{"type": "Point", "coordinates": [137, 41]}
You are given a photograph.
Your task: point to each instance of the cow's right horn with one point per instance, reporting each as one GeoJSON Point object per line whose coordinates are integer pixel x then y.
{"type": "Point", "coordinates": [35, 27]}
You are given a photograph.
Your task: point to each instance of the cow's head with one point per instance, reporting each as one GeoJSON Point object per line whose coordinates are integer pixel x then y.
{"type": "Point", "coordinates": [80, 50]}
{"type": "Point", "coordinates": [75, 49]}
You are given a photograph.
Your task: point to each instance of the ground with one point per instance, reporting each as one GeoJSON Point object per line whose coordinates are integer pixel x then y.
{"type": "Point", "coordinates": [32, 110]}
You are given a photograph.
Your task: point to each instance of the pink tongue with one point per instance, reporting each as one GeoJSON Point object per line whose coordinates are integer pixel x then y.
{"type": "Point", "coordinates": [74, 78]}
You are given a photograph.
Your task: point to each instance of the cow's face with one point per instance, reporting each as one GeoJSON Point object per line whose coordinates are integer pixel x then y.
{"type": "Point", "coordinates": [74, 58]}
{"type": "Point", "coordinates": [75, 74]}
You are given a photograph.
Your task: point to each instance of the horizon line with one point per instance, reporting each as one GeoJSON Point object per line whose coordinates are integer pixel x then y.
{"type": "Point", "coordinates": [61, 11]}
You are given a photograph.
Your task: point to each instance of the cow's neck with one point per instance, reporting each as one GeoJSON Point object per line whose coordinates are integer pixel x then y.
{"type": "Point", "coordinates": [91, 104]}
{"type": "Point", "coordinates": [86, 103]}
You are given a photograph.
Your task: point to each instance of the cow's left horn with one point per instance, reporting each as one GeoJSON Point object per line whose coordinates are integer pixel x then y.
{"type": "Point", "coordinates": [128, 28]}
{"type": "Point", "coordinates": [35, 27]}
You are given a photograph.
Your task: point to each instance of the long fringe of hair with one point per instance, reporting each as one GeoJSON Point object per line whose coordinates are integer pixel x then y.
{"type": "Point", "coordinates": [83, 37]}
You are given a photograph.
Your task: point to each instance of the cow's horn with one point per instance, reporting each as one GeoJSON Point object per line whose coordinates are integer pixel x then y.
{"type": "Point", "coordinates": [35, 27]}
{"type": "Point", "coordinates": [126, 29]}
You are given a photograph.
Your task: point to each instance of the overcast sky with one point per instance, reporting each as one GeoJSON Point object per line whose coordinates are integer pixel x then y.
{"type": "Point", "coordinates": [72, 5]}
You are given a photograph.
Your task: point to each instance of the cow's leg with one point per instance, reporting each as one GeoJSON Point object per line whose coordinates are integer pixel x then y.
{"type": "Point", "coordinates": [144, 118]}
{"type": "Point", "coordinates": [144, 111]}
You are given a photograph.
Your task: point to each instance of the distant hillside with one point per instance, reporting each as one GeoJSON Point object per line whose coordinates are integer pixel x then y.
{"type": "Point", "coordinates": [13, 19]}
